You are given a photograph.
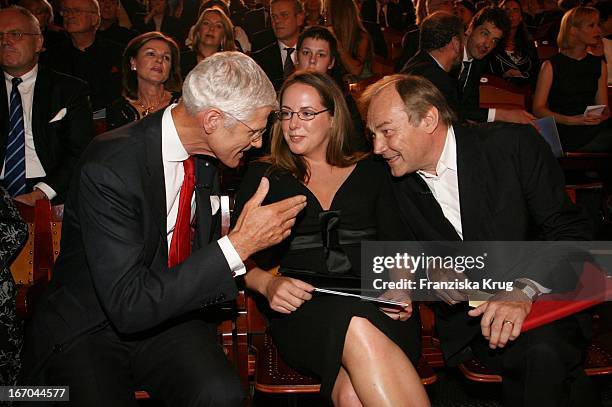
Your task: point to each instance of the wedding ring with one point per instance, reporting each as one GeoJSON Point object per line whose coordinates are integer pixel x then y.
{"type": "Point", "coordinates": [508, 322]}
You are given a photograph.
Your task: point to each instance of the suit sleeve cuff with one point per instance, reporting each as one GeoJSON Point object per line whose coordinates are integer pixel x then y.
{"type": "Point", "coordinates": [491, 115]}
{"type": "Point", "coordinates": [46, 189]}
{"type": "Point", "coordinates": [231, 255]}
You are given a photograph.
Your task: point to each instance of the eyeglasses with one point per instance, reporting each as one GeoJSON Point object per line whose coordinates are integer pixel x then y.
{"type": "Point", "coordinates": [14, 35]}
{"type": "Point", "coordinates": [256, 135]}
{"type": "Point", "coordinates": [306, 115]}
{"type": "Point", "coordinates": [69, 11]}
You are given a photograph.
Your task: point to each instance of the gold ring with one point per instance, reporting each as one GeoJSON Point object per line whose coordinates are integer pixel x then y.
{"type": "Point", "coordinates": [508, 322]}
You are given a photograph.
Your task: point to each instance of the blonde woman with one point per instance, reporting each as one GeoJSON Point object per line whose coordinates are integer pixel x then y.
{"type": "Point", "coordinates": [574, 79]}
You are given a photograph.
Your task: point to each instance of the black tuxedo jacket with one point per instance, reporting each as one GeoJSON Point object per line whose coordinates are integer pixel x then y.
{"type": "Point", "coordinates": [270, 60]}
{"type": "Point", "coordinates": [422, 64]}
{"type": "Point", "coordinates": [470, 95]}
{"type": "Point", "coordinates": [113, 266]}
{"type": "Point", "coordinates": [58, 144]}
{"type": "Point", "coordinates": [510, 189]}
{"type": "Point", "coordinates": [410, 47]}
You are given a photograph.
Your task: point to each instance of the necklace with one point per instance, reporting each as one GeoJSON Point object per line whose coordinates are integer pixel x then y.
{"type": "Point", "coordinates": [149, 109]}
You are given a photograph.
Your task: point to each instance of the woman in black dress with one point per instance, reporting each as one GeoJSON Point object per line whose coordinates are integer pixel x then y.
{"type": "Point", "coordinates": [574, 79]}
{"type": "Point", "coordinates": [362, 355]}
{"type": "Point", "coordinates": [151, 79]}
{"type": "Point", "coordinates": [516, 58]}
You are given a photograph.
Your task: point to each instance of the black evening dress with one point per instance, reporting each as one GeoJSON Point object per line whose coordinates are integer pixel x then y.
{"type": "Point", "coordinates": [121, 112]}
{"type": "Point", "coordinates": [324, 250]}
{"type": "Point", "coordinates": [573, 88]}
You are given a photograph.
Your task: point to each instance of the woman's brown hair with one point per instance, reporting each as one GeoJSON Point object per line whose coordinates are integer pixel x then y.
{"type": "Point", "coordinates": [339, 152]}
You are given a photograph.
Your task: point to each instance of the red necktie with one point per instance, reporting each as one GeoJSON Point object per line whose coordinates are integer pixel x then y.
{"type": "Point", "coordinates": [180, 247]}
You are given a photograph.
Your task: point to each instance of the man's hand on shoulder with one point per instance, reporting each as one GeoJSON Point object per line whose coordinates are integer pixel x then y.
{"type": "Point", "coordinates": [260, 227]}
{"type": "Point", "coordinates": [503, 316]}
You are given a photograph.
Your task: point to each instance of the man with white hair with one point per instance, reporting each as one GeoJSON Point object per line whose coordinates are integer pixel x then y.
{"type": "Point", "coordinates": [131, 293]}
{"type": "Point", "coordinates": [85, 54]}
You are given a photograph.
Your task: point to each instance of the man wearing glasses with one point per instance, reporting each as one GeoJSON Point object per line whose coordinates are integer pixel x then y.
{"type": "Point", "coordinates": [95, 60]}
{"type": "Point", "coordinates": [45, 116]}
{"type": "Point", "coordinates": [132, 293]}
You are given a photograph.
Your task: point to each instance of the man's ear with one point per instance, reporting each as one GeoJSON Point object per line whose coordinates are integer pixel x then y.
{"type": "Point", "coordinates": [331, 64]}
{"type": "Point", "coordinates": [210, 120]}
{"type": "Point", "coordinates": [429, 123]}
{"type": "Point", "coordinates": [301, 16]}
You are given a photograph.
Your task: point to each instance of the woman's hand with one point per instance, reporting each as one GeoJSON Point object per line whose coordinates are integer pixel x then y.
{"type": "Point", "coordinates": [397, 313]}
{"type": "Point", "coordinates": [286, 294]}
{"type": "Point", "coordinates": [588, 119]}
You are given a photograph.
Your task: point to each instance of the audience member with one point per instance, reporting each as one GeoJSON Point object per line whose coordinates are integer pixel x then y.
{"type": "Point", "coordinates": [317, 52]}
{"type": "Point", "coordinates": [258, 26]}
{"type": "Point", "coordinates": [151, 79]}
{"type": "Point", "coordinates": [109, 24]}
{"type": "Point", "coordinates": [84, 55]}
{"type": "Point", "coordinates": [574, 79]}
{"type": "Point", "coordinates": [43, 12]}
{"type": "Point", "coordinates": [47, 120]}
{"type": "Point", "coordinates": [348, 196]}
{"type": "Point", "coordinates": [13, 234]}
{"type": "Point", "coordinates": [410, 41]}
{"type": "Point", "coordinates": [354, 46]}
{"type": "Point", "coordinates": [161, 18]}
{"type": "Point", "coordinates": [128, 304]}
{"type": "Point", "coordinates": [488, 183]}
{"type": "Point", "coordinates": [515, 58]}
{"type": "Point", "coordinates": [278, 59]}
{"type": "Point", "coordinates": [488, 28]}
{"type": "Point", "coordinates": [465, 10]}
{"type": "Point", "coordinates": [605, 23]}
{"type": "Point", "coordinates": [440, 51]}
{"type": "Point", "coordinates": [240, 36]}
{"type": "Point", "coordinates": [312, 13]}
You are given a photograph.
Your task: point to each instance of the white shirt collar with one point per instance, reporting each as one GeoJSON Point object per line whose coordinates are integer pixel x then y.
{"type": "Point", "coordinates": [28, 78]}
{"type": "Point", "coordinates": [172, 148]}
{"type": "Point", "coordinates": [448, 158]}
{"type": "Point", "coordinates": [466, 57]}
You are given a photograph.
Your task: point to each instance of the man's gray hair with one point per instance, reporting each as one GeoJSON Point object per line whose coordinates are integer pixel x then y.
{"type": "Point", "coordinates": [34, 24]}
{"type": "Point", "coordinates": [231, 82]}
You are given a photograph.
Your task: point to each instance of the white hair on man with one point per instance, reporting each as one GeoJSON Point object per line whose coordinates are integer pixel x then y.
{"type": "Point", "coordinates": [231, 82]}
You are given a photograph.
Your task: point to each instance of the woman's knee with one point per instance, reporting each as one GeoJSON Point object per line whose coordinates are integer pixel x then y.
{"type": "Point", "coordinates": [344, 394]}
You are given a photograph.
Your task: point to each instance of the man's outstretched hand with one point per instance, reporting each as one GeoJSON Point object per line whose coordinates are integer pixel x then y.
{"type": "Point", "coordinates": [260, 227]}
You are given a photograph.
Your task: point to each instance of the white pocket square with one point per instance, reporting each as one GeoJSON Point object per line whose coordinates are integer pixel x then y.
{"type": "Point", "coordinates": [59, 116]}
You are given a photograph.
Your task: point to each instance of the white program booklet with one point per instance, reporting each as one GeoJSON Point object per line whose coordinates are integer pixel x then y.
{"type": "Point", "coordinates": [363, 297]}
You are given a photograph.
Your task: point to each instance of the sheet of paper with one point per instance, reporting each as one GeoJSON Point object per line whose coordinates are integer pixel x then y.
{"type": "Point", "coordinates": [363, 297]}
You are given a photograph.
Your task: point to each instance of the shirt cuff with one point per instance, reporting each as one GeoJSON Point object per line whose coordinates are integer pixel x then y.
{"type": "Point", "coordinates": [231, 255]}
{"type": "Point", "coordinates": [491, 115]}
{"type": "Point", "coordinates": [540, 287]}
{"type": "Point", "coordinates": [47, 190]}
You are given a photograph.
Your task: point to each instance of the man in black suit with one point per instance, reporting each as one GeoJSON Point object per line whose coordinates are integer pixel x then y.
{"type": "Point", "coordinates": [488, 27]}
{"type": "Point", "coordinates": [410, 41]}
{"type": "Point", "coordinates": [129, 306]}
{"type": "Point", "coordinates": [486, 184]}
{"type": "Point", "coordinates": [278, 59]}
{"type": "Point", "coordinates": [56, 116]}
{"type": "Point", "coordinates": [440, 51]}
{"type": "Point", "coordinates": [95, 60]}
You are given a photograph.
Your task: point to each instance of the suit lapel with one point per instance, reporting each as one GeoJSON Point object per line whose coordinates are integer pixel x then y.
{"type": "Point", "coordinates": [422, 211]}
{"type": "Point", "coordinates": [40, 107]}
{"type": "Point", "coordinates": [4, 111]}
{"type": "Point", "coordinates": [156, 184]}
{"type": "Point", "coordinates": [475, 212]}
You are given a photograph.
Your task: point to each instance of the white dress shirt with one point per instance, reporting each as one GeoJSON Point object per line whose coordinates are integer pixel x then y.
{"type": "Point", "coordinates": [34, 168]}
{"type": "Point", "coordinates": [444, 185]}
{"type": "Point", "coordinates": [173, 155]}
{"type": "Point", "coordinates": [283, 53]}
